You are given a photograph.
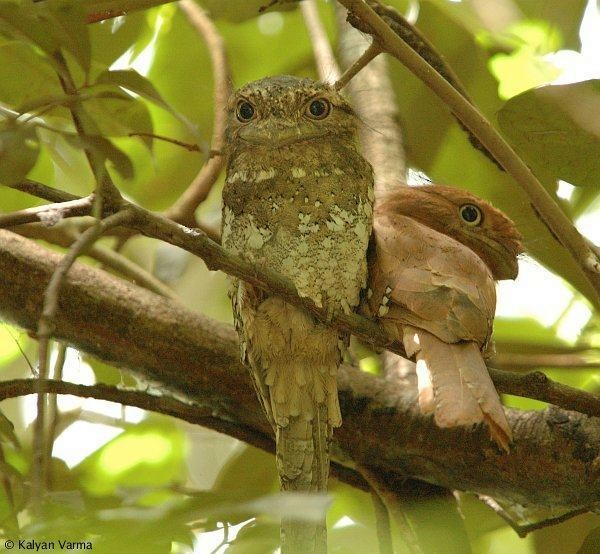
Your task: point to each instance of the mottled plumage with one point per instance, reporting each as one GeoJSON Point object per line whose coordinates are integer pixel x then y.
{"type": "Point", "coordinates": [297, 200]}
{"type": "Point", "coordinates": [435, 254]}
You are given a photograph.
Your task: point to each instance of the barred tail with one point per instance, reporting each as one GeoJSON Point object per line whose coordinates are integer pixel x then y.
{"type": "Point", "coordinates": [303, 465]}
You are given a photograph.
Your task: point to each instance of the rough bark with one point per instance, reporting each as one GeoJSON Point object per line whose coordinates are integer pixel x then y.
{"type": "Point", "coordinates": [554, 461]}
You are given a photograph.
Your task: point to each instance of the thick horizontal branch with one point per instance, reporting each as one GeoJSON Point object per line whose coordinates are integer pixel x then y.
{"type": "Point", "coordinates": [183, 409]}
{"type": "Point", "coordinates": [132, 328]}
{"type": "Point", "coordinates": [216, 257]}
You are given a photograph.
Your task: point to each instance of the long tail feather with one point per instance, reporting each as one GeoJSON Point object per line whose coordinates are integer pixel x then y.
{"type": "Point", "coordinates": [455, 385]}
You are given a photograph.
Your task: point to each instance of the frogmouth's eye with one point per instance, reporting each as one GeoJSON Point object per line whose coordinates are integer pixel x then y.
{"type": "Point", "coordinates": [470, 214]}
{"type": "Point", "coordinates": [245, 111]}
{"type": "Point", "coordinates": [318, 108]}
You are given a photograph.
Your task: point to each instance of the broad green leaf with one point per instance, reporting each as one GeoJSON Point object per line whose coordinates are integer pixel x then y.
{"type": "Point", "coordinates": [18, 151]}
{"type": "Point", "coordinates": [112, 38]}
{"type": "Point", "coordinates": [12, 342]}
{"type": "Point", "coordinates": [591, 544]}
{"type": "Point", "coordinates": [150, 454]}
{"type": "Point", "coordinates": [119, 115]}
{"type": "Point", "coordinates": [131, 80]}
{"type": "Point", "coordinates": [65, 20]}
{"type": "Point", "coordinates": [565, 15]}
{"type": "Point", "coordinates": [521, 71]}
{"type": "Point", "coordinates": [556, 128]}
{"type": "Point", "coordinates": [20, 22]}
{"type": "Point", "coordinates": [248, 474]}
{"type": "Point", "coordinates": [254, 537]}
{"type": "Point", "coordinates": [106, 149]}
{"type": "Point", "coordinates": [19, 59]}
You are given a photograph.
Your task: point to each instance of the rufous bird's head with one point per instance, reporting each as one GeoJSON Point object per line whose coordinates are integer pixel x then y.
{"type": "Point", "coordinates": [464, 217]}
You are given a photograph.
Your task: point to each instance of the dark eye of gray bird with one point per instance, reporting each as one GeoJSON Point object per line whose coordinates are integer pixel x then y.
{"type": "Point", "coordinates": [245, 111]}
{"type": "Point", "coordinates": [319, 108]}
{"type": "Point", "coordinates": [470, 214]}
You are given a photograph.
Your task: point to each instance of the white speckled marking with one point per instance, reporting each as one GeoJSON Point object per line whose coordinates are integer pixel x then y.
{"type": "Point", "coordinates": [264, 174]}
{"type": "Point", "coordinates": [383, 310]}
{"type": "Point", "coordinates": [298, 172]}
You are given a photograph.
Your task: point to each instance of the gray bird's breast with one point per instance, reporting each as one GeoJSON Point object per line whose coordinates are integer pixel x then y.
{"type": "Point", "coordinates": [305, 214]}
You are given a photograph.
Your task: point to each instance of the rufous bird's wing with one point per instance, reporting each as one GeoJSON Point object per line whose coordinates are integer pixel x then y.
{"type": "Point", "coordinates": [440, 297]}
{"type": "Point", "coordinates": [421, 277]}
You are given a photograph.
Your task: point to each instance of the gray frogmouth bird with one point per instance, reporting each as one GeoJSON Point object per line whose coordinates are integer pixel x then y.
{"type": "Point", "coordinates": [298, 200]}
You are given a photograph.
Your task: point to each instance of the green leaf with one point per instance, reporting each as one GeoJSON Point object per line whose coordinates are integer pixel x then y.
{"type": "Point", "coordinates": [20, 22]}
{"type": "Point", "coordinates": [565, 15]}
{"type": "Point", "coordinates": [105, 149]}
{"type": "Point", "coordinates": [7, 431]}
{"type": "Point", "coordinates": [591, 543]}
{"type": "Point", "coordinates": [112, 38]}
{"type": "Point", "coordinates": [65, 20]}
{"type": "Point", "coordinates": [151, 454]}
{"type": "Point", "coordinates": [19, 150]}
{"type": "Point", "coordinates": [118, 114]}
{"type": "Point", "coordinates": [131, 80]}
{"type": "Point", "coordinates": [19, 59]}
{"type": "Point", "coordinates": [556, 129]}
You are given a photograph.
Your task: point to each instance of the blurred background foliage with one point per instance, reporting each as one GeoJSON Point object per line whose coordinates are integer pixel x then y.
{"type": "Point", "coordinates": [136, 482]}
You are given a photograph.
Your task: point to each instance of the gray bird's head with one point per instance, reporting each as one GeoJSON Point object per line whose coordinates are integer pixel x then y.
{"type": "Point", "coordinates": [277, 112]}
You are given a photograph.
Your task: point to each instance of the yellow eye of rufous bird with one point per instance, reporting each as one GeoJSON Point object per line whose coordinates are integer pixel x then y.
{"type": "Point", "coordinates": [435, 255]}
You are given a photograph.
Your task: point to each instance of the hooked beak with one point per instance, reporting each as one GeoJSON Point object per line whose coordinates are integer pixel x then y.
{"type": "Point", "coordinates": [502, 261]}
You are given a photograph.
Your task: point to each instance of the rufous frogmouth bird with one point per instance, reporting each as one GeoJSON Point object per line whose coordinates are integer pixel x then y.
{"type": "Point", "coordinates": [435, 255]}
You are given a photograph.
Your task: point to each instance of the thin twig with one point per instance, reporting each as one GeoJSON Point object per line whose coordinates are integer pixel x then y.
{"type": "Point", "coordinates": [109, 9]}
{"type": "Point", "coordinates": [374, 100]}
{"type": "Point", "coordinates": [393, 508]}
{"type": "Point", "coordinates": [106, 191]}
{"type": "Point", "coordinates": [189, 147]}
{"type": "Point", "coordinates": [365, 58]}
{"type": "Point", "coordinates": [111, 259]}
{"type": "Point", "coordinates": [382, 523]}
{"type": "Point", "coordinates": [184, 208]}
{"type": "Point", "coordinates": [327, 66]}
{"type": "Point", "coordinates": [39, 190]}
{"type": "Point", "coordinates": [519, 361]}
{"type": "Point", "coordinates": [547, 210]}
{"type": "Point", "coordinates": [50, 214]}
{"type": "Point", "coordinates": [53, 415]}
{"type": "Point", "coordinates": [44, 331]}
{"type": "Point", "coordinates": [539, 386]}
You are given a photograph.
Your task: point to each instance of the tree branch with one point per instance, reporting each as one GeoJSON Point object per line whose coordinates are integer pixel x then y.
{"type": "Point", "coordinates": [216, 257]}
{"type": "Point", "coordinates": [184, 208]}
{"type": "Point", "coordinates": [327, 67]}
{"type": "Point", "coordinates": [185, 352]}
{"type": "Point", "coordinates": [374, 101]}
{"type": "Point", "coordinates": [65, 237]}
{"type": "Point", "coordinates": [49, 214]}
{"type": "Point", "coordinates": [539, 386]}
{"type": "Point", "coordinates": [547, 210]}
